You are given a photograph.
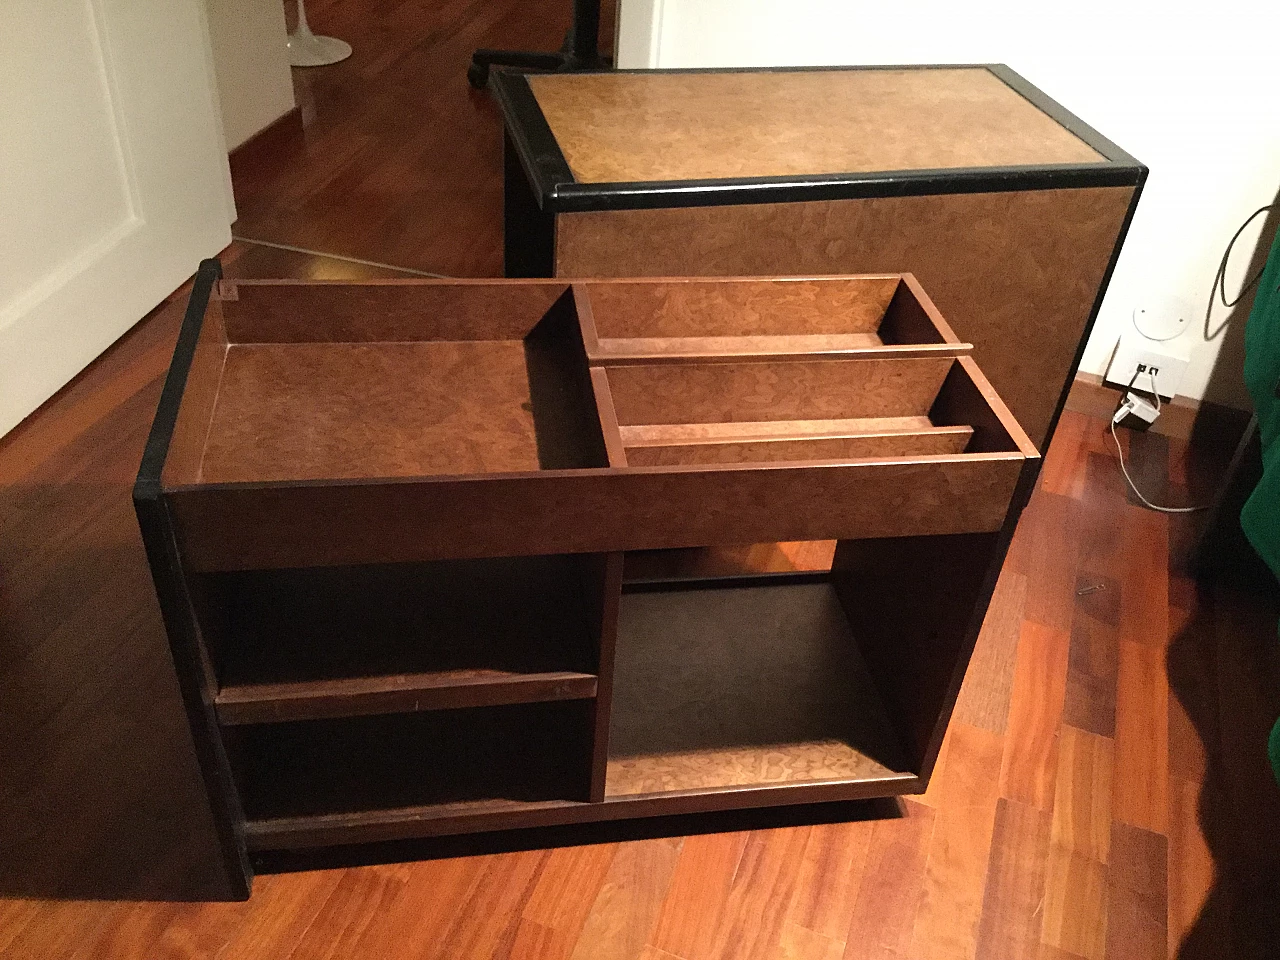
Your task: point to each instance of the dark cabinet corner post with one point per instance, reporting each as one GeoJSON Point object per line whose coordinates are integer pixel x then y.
{"type": "Point", "coordinates": [195, 680]}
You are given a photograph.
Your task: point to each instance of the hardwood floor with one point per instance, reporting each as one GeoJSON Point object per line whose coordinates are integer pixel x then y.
{"type": "Point", "coordinates": [1103, 793]}
{"type": "Point", "coordinates": [400, 160]}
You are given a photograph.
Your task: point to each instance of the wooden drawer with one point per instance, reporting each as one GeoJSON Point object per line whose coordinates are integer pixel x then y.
{"type": "Point", "coordinates": [330, 423]}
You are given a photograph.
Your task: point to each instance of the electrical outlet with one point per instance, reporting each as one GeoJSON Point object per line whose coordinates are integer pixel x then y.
{"type": "Point", "coordinates": [1136, 359]}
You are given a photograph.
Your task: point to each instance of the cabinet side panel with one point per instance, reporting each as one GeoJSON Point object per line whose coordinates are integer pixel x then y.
{"type": "Point", "coordinates": [1017, 274]}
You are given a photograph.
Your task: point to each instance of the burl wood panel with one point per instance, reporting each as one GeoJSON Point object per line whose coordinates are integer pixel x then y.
{"type": "Point", "coordinates": [1015, 273]}
{"type": "Point", "coordinates": [735, 687]}
{"type": "Point", "coordinates": [239, 527]}
{"type": "Point", "coordinates": [947, 440]}
{"type": "Point", "coordinates": [799, 390]}
{"type": "Point", "coordinates": [350, 410]}
{"type": "Point", "coordinates": [365, 311]}
{"type": "Point", "coordinates": [625, 127]}
{"type": "Point", "coordinates": [696, 308]}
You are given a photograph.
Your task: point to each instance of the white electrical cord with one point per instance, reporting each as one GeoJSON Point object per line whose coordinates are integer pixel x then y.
{"type": "Point", "coordinates": [1125, 470]}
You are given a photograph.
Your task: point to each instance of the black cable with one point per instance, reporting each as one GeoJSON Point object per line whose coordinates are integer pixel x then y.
{"type": "Point", "coordinates": [1220, 280]}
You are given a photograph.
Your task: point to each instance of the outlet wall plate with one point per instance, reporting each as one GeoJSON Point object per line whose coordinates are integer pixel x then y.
{"type": "Point", "coordinates": [1135, 355]}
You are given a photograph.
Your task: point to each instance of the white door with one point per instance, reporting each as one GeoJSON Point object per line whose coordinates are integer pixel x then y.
{"type": "Point", "coordinates": [113, 178]}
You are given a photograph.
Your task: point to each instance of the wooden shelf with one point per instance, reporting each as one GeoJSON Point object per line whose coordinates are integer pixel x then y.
{"type": "Point", "coordinates": [527, 753]}
{"type": "Point", "coordinates": [761, 441]}
{"type": "Point", "coordinates": [504, 629]}
{"type": "Point", "coordinates": [739, 687]}
{"type": "Point", "coordinates": [399, 693]}
{"type": "Point", "coordinates": [731, 322]}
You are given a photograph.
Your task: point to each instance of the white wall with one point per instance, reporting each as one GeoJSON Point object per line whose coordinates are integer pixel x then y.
{"type": "Point", "coordinates": [251, 64]}
{"type": "Point", "coordinates": [1197, 99]}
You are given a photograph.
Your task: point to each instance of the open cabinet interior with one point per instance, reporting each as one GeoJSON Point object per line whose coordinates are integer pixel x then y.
{"type": "Point", "coordinates": [449, 557]}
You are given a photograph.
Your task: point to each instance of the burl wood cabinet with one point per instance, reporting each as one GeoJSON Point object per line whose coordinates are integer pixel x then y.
{"type": "Point", "coordinates": [1008, 209]}
{"type": "Point", "coordinates": [403, 536]}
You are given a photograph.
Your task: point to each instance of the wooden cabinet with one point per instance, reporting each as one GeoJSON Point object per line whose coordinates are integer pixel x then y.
{"type": "Point", "coordinates": [1009, 210]}
{"type": "Point", "coordinates": [391, 527]}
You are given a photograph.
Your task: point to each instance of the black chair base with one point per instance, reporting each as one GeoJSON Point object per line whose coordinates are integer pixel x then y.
{"type": "Point", "coordinates": [580, 50]}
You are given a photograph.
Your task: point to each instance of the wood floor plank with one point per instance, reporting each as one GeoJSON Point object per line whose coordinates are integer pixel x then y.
{"type": "Point", "coordinates": [1092, 662]}
{"type": "Point", "coordinates": [1051, 548]}
{"type": "Point", "coordinates": [484, 922]}
{"type": "Point", "coordinates": [1030, 760]}
{"type": "Point", "coordinates": [884, 913]}
{"type": "Point", "coordinates": [751, 925]}
{"type": "Point", "coordinates": [829, 878]}
{"type": "Point", "coordinates": [1082, 799]}
{"type": "Point", "coordinates": [551, 921]}
{"type": "Point", "coordinates": [361, 895]}
{"type": "Point", "coordinates": [626, 909]}
{"type": "Point", "coordinates": [987, 691]}
{"type": "Point", "coordinates": [1014, 898]}
{"type": "Point", "coordinates": [1075, 904]}
{"type": "Point", "coordinates": [1063, 471]}
{"type": "Point", "coordinates": [1141, 770]}
{"type": "Point", "coordinates": [277, 922]}
{"type": "Point", "coordinates": [951, 900]}
{"type": "Point", "coordinates": [1137, 895]}
{"type": "Point", "coordinates": [800, 943]}
{"type": "Point", "coordinates": [698, 894]}
{"type": "Point", "coordinates": [58, 929]}
{"type": "Point", "coordinates": [1144, 602]}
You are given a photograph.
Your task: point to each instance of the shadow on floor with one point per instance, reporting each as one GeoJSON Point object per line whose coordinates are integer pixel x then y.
{"type": "Point", "coordinates": [1224, 668]}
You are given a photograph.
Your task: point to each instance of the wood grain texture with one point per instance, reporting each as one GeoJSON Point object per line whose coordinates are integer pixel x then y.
{"type": "Point", "coordinates": [936, 441]}
{"type": "Point", "coordinates": [987, 693]}
{"type": "Point", "coordinates": [1137, 894]}
{"type": "Point", "coordinates": [835, 859]}
{"type": "Point", "coordinates": [756, 908]}
{"type": "Point", "coordinates": [552, 918]}
{"type": "Point", "coordinates": [1031, 760]}
{"type": "Point", "coordinates": [1075, 904]}
{"type": "Point", "coordinates": [797, 390]}
{"type": "Point", "coordinates": [627, 127]}
{"type": "Point", "coordinates": [241, 527]}
{"type": "Point", "coordinates": [626, 908]}
{"type": "Point", "coordinates": [986, 260]}
{"type": "Point", "coordinates": [703, 308]}
{"type": "Point", "coordinates": [1014, 895]}
{"type": "Point", "coordinates": [950, 911]}
{"type": "Point", "coordinates": [1140, 781]}
{"type": "Point", "coordinates": [698, 895]}
{"type": "Point", "coordinates": [884, 913]}
{"type": "Point", "coordinates": [394, 410]}
{"type": "Point", "coordinates": [397, 311]}
{"type": "Point", "coordinates": [1082, 799]}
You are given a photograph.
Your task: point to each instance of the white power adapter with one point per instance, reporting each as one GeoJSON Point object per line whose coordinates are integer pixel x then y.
{"type": "Point", "coordinates": [1135, 406]}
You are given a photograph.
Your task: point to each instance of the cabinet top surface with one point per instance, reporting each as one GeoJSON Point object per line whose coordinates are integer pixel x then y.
{"type": "Point", "coordinates": [655, 126]}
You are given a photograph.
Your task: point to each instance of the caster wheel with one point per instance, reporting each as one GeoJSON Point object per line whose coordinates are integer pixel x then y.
{"type": "Point", "coordinates": [478, 75]}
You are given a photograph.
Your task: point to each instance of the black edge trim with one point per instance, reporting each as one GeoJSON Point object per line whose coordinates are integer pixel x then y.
{"type": "Point", "coordinates": [173, 594]}
{"type": "Point", "coordinates": [557, 190]}
{"type": "Point", "coordinates": [1093, 314]}
{"type": "Point", "coordinates": [580, 197]}
{"type": "Point", "coordinates": [147, 485]}
{"type": "Point", "coordinates": [1061, 115]}
{"type": "Point", "coordinates": [535, 144]}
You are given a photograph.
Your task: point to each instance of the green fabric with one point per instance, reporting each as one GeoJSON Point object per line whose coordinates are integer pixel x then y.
{"type": "Point", "coordinates": [1260, 517]}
